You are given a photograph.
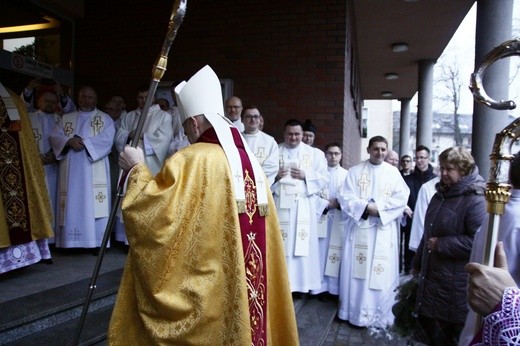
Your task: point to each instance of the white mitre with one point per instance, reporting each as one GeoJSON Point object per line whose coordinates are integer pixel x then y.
{"type": "Point", "coordinates": [202, 94]}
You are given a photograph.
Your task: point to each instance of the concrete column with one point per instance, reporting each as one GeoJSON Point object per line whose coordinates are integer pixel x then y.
{"type": "Point", "coordinates": [425, 103]}
{"type": "Point", "coordinates": [404, 133]}
{"type": "Point", "coordinates": [494, 19]}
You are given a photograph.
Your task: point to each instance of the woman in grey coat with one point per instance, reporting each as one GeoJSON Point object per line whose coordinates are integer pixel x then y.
{"type": "Point", "coordinates": [454, 214]}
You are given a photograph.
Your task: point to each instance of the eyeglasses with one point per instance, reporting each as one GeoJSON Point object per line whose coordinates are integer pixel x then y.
{"type": "Point", "coordinates": [256, 116]}
{"type": "Point", "coordinates": [421, 158]}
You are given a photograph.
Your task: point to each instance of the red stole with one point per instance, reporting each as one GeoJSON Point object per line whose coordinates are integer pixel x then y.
{"type": "Point", "coordinates": [12, 186]}
{"type": "Point", "coordinates": [252, 229]}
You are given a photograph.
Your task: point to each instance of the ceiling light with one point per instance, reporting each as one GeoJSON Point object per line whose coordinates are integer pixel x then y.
{"type": "Point", "coordinates": [391, 76]}
{"type": "Point", "coordinates": [386, 94]}
{"type": "Point", "coordinates": [399, 47]}
{"type": "Point", "coordinates": [51, 23]}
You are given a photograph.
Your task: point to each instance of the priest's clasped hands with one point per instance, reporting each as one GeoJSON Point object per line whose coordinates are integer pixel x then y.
{"type": "Point", "coordinates": [295, 173]}
{"type": "Point", "coordinates": [76, 143]}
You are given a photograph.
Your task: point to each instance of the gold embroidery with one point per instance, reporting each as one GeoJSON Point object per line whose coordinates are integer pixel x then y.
{"type": "Point", "coordinates": [250, 190]}
{"type": "Point", "coordinates": [97, 124]}
{"type": "Point", "coordinates": [11, 169]}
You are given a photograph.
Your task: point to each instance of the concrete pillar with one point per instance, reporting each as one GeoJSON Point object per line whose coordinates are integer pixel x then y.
{"type": "Point", "coordinates": [425, 103]}
{"type": "Point", "coordinates": [404, 133]}
{"type": "Point", "coordinates": [494, 19]}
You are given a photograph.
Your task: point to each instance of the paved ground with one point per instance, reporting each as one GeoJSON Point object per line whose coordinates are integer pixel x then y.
{"type": "Point", "coordinates": [73, 265]}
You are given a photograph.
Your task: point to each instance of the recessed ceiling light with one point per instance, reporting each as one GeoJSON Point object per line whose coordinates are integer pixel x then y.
{"type": "Point", "coordinates": [386, 94]}
{"type": "Point", "coordinates": [391, 76]}
{"type": "Point", "coordinates": [399, 47]}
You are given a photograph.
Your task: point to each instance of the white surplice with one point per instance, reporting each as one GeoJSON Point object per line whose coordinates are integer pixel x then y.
{"type": "Point", "coordinates": [179, 139]}
{"type": "Point", "coordinates": [297, 216]}
{"type": "Point", "coordinates": [424, 197]}
{"type": "Point", "coordinates": [79, 215]}
{"type": "Point", "coordinates": [369, 271]}
{"type": "Point", "coordinates": [42, 125]}
{"type": "Point", "coordinates": [157, 135]}
{"type": "Point", "coordinates": [509, 235]}
{"type": "Point", "coordinates": [329, 252]}
{"type": "Point", "coordinates": [265, 149]}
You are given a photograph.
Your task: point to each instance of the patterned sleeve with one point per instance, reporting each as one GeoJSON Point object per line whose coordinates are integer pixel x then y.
{"type": "Point", "coordinates": [502, 327]}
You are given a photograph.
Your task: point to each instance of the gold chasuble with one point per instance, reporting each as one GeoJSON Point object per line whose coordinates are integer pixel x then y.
{"type": "Point", "coordinates": [24, 202]}
{"type": "Point", "coordinates": [197, 273]}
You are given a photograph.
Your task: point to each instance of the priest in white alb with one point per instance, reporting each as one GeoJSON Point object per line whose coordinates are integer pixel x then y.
{"type": "Point", "coordinates": [331, 225]}
{"type": "Point", "coordinates": [374, 197]}
{"type": "Point", "coordinates": [82, 141]}
{"type": "Point", "coordinates": [155, 141]}
{"type": "Point", "coordinates": [156, 136]}
{"type": "Point", "coordinates": [43, 121]}
{"type": "Point", "coordinates": [261, 144]}
{"type": "Point", "coordinates": [302, 175]}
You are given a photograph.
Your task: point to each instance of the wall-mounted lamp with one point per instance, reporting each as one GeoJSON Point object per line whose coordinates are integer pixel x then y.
{"type": "Point", "coordinates": [391, 76]}
{"type": "Point", "coordinates": [399, 47]}
{"type": "Point", "coordinates": [386, 94]}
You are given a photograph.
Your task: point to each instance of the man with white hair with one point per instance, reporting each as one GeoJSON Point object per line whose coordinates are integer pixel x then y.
{"type": "Point", "coordinates": [199, 233]}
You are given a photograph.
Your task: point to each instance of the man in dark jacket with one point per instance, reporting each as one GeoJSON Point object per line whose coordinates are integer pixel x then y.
{"type": "Point", "coordinates": [422, 173]}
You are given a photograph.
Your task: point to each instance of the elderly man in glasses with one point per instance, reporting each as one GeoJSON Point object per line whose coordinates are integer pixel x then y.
{"type": "Point", "coordinates": [233, 111]}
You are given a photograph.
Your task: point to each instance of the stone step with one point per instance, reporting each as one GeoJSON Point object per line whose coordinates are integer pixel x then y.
{"type": "Point", "coordinates": [29, 315]}
{"type": "Point", "coordinates": [94, 331]}
{"type": "Point", "coordinates": [315, 316]}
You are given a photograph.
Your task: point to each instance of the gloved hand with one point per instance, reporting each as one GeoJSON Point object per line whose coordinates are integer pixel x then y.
{"type": "Point", "coordinates": [129, 157]}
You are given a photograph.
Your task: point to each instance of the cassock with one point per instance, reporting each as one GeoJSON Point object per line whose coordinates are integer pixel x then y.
{"type": "Point", "coordinates": [296, 210]}
{"type": "Point", "coordinates": [509, 235]}
{"type": "Point", "coordinates": [42, 126]}
{"type": "Point", "coordinates": [188, 277]}
{"type": "Point", "coordinates": [265, 149]}
{"type": "Point", "coordinates": [331, 243]}
{"type": "Point", "coordinates": [84, 178]}
{"type": "Point", "coordinates": [157, 135]}
{"type": "Point", "coordinates": [369, 270]}
{"type": "Point", "coordinates": [25, 213]}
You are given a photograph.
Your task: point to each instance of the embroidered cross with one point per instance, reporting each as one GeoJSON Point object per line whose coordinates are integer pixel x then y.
{"type": "Point", "coordinates": [97, 124]}
{"type": "Point", "coordinates": [251, 237]}
{"type": "Point", "coordinates": [260, 155]}
{"type": "Point", "coordinates": [306, 162]}
{"type": "Point", "coordinates": [100, 197]}
{"type": "Point", "coordinates": [37, 136]}
{"type": "Point", "coordinates": [67, 129]}
{"type": "Point", "coordinates": [363, 183]}
{"type": "Point", "coordinates": [387, 192]}
{"type": "Point", "coordinates": [361, 258]}
{"type": "Point", "coordinates": [303, 234]}
{"type": "Point", "coordinates": [259, 183]}
{"type": "Point", "coordinates": [75, 234]}
{"type": "Point", "coordinates": [334, 258]}
{"type": "Point", "coordinates": [280, 161]}
{"type": "Point", "coordinates": [284, 235]}
{"type": "Point", "coordinates": [379, 269]}
{"type": "Point", "coordinates": [238, 176]}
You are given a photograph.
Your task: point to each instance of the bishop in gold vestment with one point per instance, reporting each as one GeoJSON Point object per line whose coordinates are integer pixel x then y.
{"type": "Point", "coordinates": [202, 269]}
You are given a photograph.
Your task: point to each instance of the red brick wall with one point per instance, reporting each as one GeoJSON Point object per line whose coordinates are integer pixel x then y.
{"type": "Point", "coordinates": [287, 57]}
